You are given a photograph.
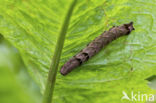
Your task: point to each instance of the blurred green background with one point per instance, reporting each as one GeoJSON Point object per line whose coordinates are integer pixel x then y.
{"type": "Point", "coordinates": [16, 86]}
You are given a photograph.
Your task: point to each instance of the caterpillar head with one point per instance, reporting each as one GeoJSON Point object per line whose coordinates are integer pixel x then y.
{"type": "Point", "coordinates": [129, 27]}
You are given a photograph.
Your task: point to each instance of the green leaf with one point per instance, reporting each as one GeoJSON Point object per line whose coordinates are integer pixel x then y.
{"type": "Point", "coordinates": [33, 26]}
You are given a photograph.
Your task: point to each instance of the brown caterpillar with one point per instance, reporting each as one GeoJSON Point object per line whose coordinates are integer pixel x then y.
{"type": "Point", "coordinates": [95, 46]}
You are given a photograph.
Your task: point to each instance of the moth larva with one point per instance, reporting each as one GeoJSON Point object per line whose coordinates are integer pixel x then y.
{"type": "Point", "coordinates": [95, 46]}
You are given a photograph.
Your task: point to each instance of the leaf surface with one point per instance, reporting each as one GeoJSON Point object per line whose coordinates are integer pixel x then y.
{"type": "Point", "coordinates": [33, 26]}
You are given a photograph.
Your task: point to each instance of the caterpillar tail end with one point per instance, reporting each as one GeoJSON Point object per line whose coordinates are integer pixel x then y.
{"type": "Point", "coordinates": [62, 71]}
{"type": "Point", "coordinates": [69, 66]}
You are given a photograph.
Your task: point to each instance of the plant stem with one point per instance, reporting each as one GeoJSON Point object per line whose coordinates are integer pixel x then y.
{"type": "Point", "coordinates": [48, 94]}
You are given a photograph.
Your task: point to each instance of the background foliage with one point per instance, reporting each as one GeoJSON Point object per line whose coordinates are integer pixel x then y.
{"type": "Point", "coordinates": [16, 86]}
{"type": "Point", "coordinates": [33, 26]}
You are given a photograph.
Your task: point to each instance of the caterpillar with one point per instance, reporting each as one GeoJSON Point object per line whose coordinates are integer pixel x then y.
{"type": "Point", "coordinates": [95, 46]}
